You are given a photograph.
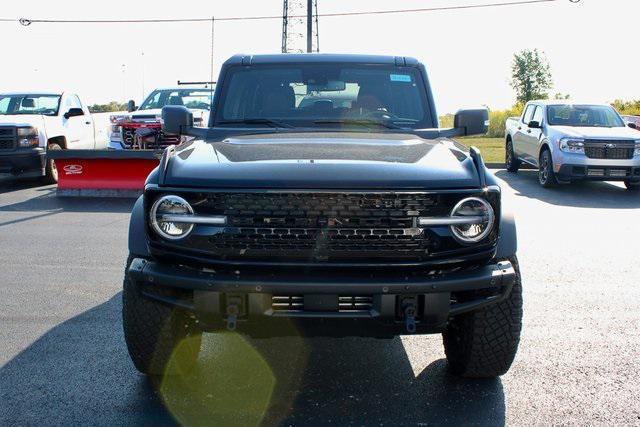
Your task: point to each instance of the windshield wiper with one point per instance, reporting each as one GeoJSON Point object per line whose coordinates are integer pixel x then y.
{"type": "Point", "coordinates": [362, 122]}
{"type": "Point", "coordinates": [257, 121]}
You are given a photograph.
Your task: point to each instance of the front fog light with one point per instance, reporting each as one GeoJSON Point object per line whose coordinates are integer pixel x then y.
{"type": "Point", "coordinates": [476, 219]}
{"type": "Point", "coordinates": [165, 217]}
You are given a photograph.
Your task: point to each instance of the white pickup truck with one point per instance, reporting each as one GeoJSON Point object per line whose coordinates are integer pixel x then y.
{"type": "Point", "coordinates": [570, 142]}
{"type": "Point", "coordinates": [32, 123]}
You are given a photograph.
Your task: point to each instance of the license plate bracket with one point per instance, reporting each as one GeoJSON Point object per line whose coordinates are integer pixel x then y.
{"type": "Point", "coordinates": [321, 303]}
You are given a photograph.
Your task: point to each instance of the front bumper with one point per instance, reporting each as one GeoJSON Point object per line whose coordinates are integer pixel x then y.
{"type": "Point", "coordinates": [23, 162]}
{"type": "Point", "coordinates": [251, 299]}
{"type": "Point", "coordinates": [599, 172]}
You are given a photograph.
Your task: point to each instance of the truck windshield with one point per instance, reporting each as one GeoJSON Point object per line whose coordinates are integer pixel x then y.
{"type": "Point", "coordinates": [324, 95]}
{"type": "Point", "coordinates": [584, 116]}
{"type": "Point", "coordinates": [197, 99]}
{"type": "Point", "coordinates": [16, 104]}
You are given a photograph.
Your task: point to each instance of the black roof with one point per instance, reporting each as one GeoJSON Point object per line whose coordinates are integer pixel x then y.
{"type": "Point", "coordinates": [315, 58]}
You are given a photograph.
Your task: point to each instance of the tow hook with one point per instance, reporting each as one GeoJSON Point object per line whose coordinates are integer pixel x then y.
{"type": "Point", "coordinates": [234, 310]}
{"type": "Point", "coordinates": [232, 317]}
{"type": "Point", "coordinates": [410, 317]}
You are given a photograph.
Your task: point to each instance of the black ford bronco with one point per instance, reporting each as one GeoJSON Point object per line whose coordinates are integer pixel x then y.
{"type": "Point", "coordinates": [323, 200]}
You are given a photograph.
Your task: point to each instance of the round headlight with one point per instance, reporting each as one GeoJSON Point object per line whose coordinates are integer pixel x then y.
{"type": "Point", "coordinates": [165, 217]}
{"type": "Point", "coordinates": [480, 215]}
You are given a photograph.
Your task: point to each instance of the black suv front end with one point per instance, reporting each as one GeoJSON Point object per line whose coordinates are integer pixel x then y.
{"type": "Point", "coordinates": [323, 200]}
{"type": "Point", "coordinates": [380, 263]}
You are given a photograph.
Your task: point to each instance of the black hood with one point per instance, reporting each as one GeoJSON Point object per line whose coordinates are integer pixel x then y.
{"type": "Point", "coordinates": [336, 160]}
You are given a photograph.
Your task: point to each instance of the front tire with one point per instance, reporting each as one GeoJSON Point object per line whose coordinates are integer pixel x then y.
{"type": "Point", "coordinates": [483, 343]}
{"type": "Point", "coordinates": [513, 164]}
{"type": "Point", "coordinates": [546, 175]}
{"type": "Point", "coordinates": [161, 340]}
{"type": "Point", "coordinates": [51, 171]}
{"type": "Point", "coordinates": [632, 186]}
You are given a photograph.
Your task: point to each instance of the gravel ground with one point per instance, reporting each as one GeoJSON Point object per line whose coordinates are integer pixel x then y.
{"type": "Point", "coordinates": [63, 358]}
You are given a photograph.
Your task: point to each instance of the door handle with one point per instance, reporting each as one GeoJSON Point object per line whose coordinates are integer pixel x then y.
{"type": "Point", "coordinates": [529, 131]}
{"type": "Point", "coordinates": [519, 127]}
{"type": "Point", "coordinates": [87, 123]}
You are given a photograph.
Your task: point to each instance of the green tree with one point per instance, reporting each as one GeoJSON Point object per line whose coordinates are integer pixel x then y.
{"type": "Point", "coordinates": [106, 108]}
{"type": "Point", "coordinates": [530, 75]}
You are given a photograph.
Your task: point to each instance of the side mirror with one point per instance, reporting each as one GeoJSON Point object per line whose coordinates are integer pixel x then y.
{"type": "Point", "coordinates": [73, 112]}
{"type": "Point", "coordinates": [176, 119]}
{"type": "Point", "coordinates": [534, 124]}
{"type": "Point", "coordinates": [632, 125]}
{"type": "Point", "coordinates": [472, 121]}
{"type": "Point", "coordinates": [131, 105]}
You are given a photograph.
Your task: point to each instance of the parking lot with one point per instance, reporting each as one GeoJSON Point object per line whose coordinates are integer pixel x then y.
{"type": "Point", "coordinates": [64, 361]}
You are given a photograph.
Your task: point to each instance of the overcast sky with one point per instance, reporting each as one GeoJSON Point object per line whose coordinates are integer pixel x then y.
{"type": "Point", "coordinates": [591, 46]}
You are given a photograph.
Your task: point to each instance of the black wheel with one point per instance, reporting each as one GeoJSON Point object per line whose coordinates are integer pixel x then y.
{"type": "Point", "coordinates": [483, 344]}
{"type": "Point", "coordinates": [546, 175]}
{"type": "Point", "coordinates": [51, 172]}
{"type": "Point", "coordinates": [157, 334]}
{"type": "Point", "coordinates": [513, 164]}
{"type": "Point", "coordinates": [632, 186]}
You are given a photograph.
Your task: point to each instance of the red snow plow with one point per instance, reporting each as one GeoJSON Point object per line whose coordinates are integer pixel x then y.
{"type": "Point", "coordinates": [103, 173]}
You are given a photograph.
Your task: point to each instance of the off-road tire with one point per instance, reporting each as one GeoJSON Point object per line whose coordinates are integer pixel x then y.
{"type": "Point", "coordinates": [155, 332]}
{"type": "Point", "coordinates": [546, 175]}
{"type": "Point", "coordinates": [512, 163]}
{"type": "Point", "coordinates": [50, 171]}
{"type": "Point", "coordinates": [632, 186]}
{"type": "Point", "coordinates": [483, 343]}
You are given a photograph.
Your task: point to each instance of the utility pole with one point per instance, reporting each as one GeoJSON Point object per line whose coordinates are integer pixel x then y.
{"type": "Point", "coordinates": [309, 26]}
{"type": "Point", "coordinates": [143, 92]}
{"type": "Point", "coordinates": [124, 82]}
{"type": "Point", "coordinates": [300, 26]}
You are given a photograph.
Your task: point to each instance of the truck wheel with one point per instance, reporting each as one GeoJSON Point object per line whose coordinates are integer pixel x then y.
{"type": "Point", "coordinates": [513, 164]}
{"type": "Point", "coordinates": [483, 344]}
{"type": "Point", "coordinates": [632, 186]}
{"type": "Point", "coordinates": [546, 175]}
{"type": "Point", "coordinates": [51, 172]}
{"type": "Point", "coordinates": [156, 333]}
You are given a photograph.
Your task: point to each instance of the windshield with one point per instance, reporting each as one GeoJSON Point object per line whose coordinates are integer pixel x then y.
{"type": "Point", "coordinates": [322, 95]}
{"type": "Point", "coordinates": [197, 99]}
{"type": "Point", "coordinates": [47, 105]}
{"type": "Point", "coordinates": [584, 116]}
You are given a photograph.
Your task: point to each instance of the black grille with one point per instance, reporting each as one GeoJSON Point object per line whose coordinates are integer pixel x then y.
{"type": "Point", "coordinates": [7, 138]}
{"type": "Point", "coordinates": [323, 226]}
{"type": "Point", "coordinates": [619, 150]}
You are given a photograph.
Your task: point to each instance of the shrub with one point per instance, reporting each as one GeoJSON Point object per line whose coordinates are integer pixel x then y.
{"type": "Point", "coordinates": [627, 108]}
{"type": "Point", "coordinates": [497, 120]}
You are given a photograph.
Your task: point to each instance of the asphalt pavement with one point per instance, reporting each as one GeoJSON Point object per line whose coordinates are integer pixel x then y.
{"type": "Point", "coordinates": [63, 359]}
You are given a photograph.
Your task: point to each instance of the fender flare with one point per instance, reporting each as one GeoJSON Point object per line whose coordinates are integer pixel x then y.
{"type": "Point", "coordinates": [545, 144]}
{"type": "Point", "coordinates": [137, 230]}
{"type": "Point", "coordinates": [508, 240]}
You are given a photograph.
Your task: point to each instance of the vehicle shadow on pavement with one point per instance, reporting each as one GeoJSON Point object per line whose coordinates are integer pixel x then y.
{"type": "Point", "coordinates": [79, 372]}
{"type": "Point", "coordinates": [600, 195]}
{"type": "Point", "coordinates": [9, 184]}
{"type": "Point", "coordinates": [47, 201]}
{"type": "Point", "coordinates": [359, 381]}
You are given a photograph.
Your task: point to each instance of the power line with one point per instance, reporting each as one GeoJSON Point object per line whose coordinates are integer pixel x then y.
{"type": "Point", "coordinates": [26, 22]}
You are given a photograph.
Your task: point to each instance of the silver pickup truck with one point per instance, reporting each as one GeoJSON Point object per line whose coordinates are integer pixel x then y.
{"type": "Point", "coordinates": [570, 142]}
